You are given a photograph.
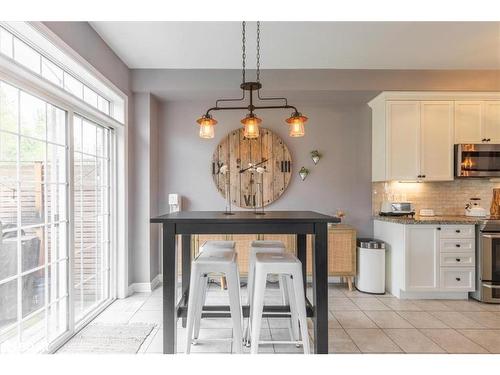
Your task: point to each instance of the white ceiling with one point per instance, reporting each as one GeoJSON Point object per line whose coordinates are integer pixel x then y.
{"type": "Point", "coordinates": [306, 45]}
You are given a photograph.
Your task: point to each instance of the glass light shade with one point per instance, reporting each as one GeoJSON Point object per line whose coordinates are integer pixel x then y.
{"type": "Point", "coordinates": [207, 126]}
{"type": "Point", "coordinates": [251, 126]}
{"type": "Point", "coordinates": [296, 122]}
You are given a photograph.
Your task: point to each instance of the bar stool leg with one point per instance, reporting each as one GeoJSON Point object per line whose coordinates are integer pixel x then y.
{"type": "Point", "coordinates": [194, 285]}
{"type": "Point", "coordinates": [257, 308]}
{"type": "Point", "coordinates": [294, 320]}
{"type": "Point", "coordinates": [300, 302]}
{"type": "Point", "coordinates": [233, 287]}
{"type": "Point", "coordinates": [250, 289]}
{"type": "Point", "coordinates": [202, 296]}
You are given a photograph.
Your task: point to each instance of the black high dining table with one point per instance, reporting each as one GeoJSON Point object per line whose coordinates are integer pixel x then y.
{"type": "Point", "coordinates": [300, 223]}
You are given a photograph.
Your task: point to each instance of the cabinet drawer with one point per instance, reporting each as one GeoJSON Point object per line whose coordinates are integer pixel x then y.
{"type": "Point", "coordinates": [456, 245]}
{"type": "Point", "coordinates": [462, 279]}
{"type": "Point", "coordinates": [457, 259]}
{"type": "Point", "coordinates": [457, 231]}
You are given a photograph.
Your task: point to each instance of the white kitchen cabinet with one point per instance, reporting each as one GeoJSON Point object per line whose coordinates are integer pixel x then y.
{"type": "Point", "coordinates": [414, 142]}
{"type": "Point", "coordinates": [477, 121]}
{"type": "Point", "coordinates": [413, 133]}
{"type": "Point", "coordinates": [468, 122]}
{"type": "Point", "coordinates": [403, 127]}
{"type": "Point", "coordinates": [424, 261]}
{"type": "Point", "coordinates": [436, 140]}
{"type": "Point", "coordinates": [421, 258]}
{"type": "Point", "coordinates": [491, 123]}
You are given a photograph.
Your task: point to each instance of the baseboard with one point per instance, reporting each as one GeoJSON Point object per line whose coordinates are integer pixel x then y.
{"type": "Point", "coordinates": [145, 287]}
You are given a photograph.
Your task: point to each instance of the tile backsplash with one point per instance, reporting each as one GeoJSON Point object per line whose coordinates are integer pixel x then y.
{"type": "Point", "coordinates": [446, 198]}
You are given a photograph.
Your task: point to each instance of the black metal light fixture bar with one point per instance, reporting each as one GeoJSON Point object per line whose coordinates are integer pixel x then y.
{"type": "Point", "coordinates": [251, 122]}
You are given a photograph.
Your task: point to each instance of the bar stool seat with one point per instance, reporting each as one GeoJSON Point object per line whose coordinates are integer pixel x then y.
{"type": "Point", "coordinates": [221, 262]}
{"type": "Point", "coordinates": [287, 265]}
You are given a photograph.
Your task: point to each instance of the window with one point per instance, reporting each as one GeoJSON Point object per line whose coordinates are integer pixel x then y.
{"type": "Point", "coordinates": [13, 47]}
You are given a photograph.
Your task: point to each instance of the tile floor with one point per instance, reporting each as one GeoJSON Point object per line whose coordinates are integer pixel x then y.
{"type": "Point", "coordinates": [358, 323]}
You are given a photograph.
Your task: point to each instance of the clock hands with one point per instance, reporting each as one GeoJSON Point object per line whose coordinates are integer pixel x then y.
{"type": "Point", "coordinates": [252, 166]}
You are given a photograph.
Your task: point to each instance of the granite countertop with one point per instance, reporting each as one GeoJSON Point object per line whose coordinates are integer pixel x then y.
{"type": "Point", "coordinates": [458, 219]}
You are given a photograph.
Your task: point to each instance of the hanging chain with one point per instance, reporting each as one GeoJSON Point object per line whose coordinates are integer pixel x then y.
{"type": "Point", "coordinates": [258, 51]}
{"type": "Point", "coordinates": [244, 56]}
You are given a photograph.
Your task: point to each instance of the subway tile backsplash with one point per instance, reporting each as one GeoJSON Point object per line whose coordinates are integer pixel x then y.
{"type": "Point", "coordinates": [446, 198]}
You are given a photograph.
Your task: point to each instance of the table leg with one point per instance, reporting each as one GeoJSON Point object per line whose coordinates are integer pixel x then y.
{"type": "Point", "coordinates": [186, 269]}
{"type": "Point", "coordinates": [320, 288]}
{"type": "Point", "coordinates": [302, 255]}
{"type": "Point", "coordinates": [169, 289]}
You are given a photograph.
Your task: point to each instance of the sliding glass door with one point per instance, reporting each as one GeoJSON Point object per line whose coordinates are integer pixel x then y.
{"type": "Point", "coordinates": [54, 220]}
{"type": "Point", "coordinates": [91, 266]}
{"type": "Point", "coordinates": [34, 296]}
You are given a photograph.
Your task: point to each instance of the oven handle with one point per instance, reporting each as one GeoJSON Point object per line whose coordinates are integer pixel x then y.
{"type": "Point", "coordinates": [491, 286]}
{"type": "Point", "coordinates": [490, 235]}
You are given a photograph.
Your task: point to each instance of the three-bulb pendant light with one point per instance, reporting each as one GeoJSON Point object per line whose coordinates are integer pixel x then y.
{"type": "Point", "coordinates": [251, 122]}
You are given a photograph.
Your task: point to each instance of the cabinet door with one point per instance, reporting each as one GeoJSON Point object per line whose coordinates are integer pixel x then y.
{"type": "Point", "coordinates": [468, 121]}
{"type": "Point", "coordinates": [421, 258]}
{"type": "Point", "coordinates": [403, 121]}
{"type": "Point", "coordinates": [491, 123]}
{"type": "Point", "coordinates": [436, 140]}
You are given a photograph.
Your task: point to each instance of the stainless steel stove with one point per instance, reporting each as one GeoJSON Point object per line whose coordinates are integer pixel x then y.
{"type": "Point", "coordinates": [488, 261]}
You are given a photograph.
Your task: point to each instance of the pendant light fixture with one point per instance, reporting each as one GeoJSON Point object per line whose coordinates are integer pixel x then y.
{"type": "Point", "coordinates": [251, 122]}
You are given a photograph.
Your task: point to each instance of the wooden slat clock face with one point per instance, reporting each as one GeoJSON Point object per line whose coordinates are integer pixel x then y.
{"type": "Point", "coordinates": [237, 152]}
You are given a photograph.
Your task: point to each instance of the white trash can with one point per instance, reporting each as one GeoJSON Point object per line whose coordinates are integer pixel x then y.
{"type": "Point", "coordinates": [370, 277]}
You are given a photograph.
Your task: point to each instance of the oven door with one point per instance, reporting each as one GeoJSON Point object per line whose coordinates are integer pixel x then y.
{"type": "Point", "coordinates": [490, 267]}
{"type": "Point", "coordinates": [477, 160]}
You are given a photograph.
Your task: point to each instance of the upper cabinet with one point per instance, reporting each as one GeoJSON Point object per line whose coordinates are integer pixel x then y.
{"type": "Point", "coordinates": [413, 133]}
{"type": "Point", "coordinates": [477, 121]}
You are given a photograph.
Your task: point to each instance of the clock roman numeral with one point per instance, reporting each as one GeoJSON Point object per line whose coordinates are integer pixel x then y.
{"type": "Point", "coordinates": [216, 166]}
{"type": "Point", "coordinates": [285, 166]}
{"type": "Point", "coordinates": [249, 200]}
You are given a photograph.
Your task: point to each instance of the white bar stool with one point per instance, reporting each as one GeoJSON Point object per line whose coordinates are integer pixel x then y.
{"type": "Point", "coordinates": [220, 262]}
{"type": "Point", "coordinates": [209, 247]}
{"type": "Point", "coordinates": [269, 247]}
{"type": "Point", "coordinates": [283, 264]}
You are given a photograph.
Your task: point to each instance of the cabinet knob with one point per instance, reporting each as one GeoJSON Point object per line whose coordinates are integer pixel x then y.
{"type": "Point", "coordinates": [488, 140]}
{"type": "Point", "coordinates": [458, 231]}
{"type": "Point", "coordinates": [438, 228]}
{"type": "Point", "coordinates": [457, 259]}
{"type": "Point", "coordinates": [483, 140]}
{"type": "Point", "coordinates": [457, 278]}
{"type": "Point", "coordinates": [419, 176]}
{"type": "Point", "coordinates": [457, 245]}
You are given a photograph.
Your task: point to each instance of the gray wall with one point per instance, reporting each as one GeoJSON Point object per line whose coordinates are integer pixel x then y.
{"type": "Point", "coordinates": [143, 190]}
{"type": "Point", "coordinates": [87, 43]}
{"type": "Point", "coordinates": [341, 180]}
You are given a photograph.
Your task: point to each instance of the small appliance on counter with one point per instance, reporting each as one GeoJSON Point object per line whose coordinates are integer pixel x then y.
{"type": "Point", "coordinates": [428, 212]}
{"type": "Point", "coordinates": [397, 209]}
{"type": "Point", "coordinates": [473, 208]}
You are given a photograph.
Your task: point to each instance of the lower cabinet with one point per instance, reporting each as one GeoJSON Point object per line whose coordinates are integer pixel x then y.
{"type": "Point", "coordinates": [425, 259]}
{"type": "Point", "coordinates": [422, 258]}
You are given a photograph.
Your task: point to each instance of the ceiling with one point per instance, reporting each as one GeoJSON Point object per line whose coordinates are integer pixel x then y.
{"type": "Point", "coordinates": [306, 45]}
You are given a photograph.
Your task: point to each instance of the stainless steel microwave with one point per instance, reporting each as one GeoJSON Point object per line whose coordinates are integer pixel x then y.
{"type": "Point", "coordinates": [477, 160]}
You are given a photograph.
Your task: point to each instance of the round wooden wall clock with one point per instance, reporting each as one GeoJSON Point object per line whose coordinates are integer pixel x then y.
{"type": "Point", "coordinates": [246, 185]}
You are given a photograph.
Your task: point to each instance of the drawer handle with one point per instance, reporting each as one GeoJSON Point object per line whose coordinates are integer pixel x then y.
{"type": "Point", "coordinates": [457, 278]}
{"type": "Point", "coordinates": [457, 245]}
{"type": "Point", "coordinates": [457, 259]}
{"type": "Point", "coordinates": [458, 231]}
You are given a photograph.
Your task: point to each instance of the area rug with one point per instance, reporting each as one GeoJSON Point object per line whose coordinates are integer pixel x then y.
{"type": "Point", "coordinates": [108, 338]}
